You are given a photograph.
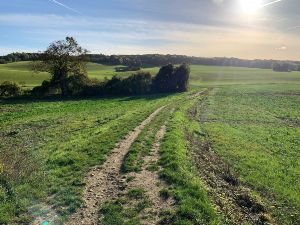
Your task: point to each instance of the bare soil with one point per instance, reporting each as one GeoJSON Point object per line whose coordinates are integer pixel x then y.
{"type": "Point", "coordinates": [152, 184]}
{"type": "Point", "coordinates": [105, 182]}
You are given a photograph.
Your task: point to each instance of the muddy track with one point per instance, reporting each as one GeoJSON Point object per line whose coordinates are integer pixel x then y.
{"type": "Point", "coordinates": [152, 184]}
{"type": "Point", "coordinates": [105, 182]}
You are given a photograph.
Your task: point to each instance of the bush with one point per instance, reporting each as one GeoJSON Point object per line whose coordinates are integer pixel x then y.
{"type": "Point", "coordinates": [137, 84]}
{"type": "Point", "coordinates": [76, 84]}
{"type": "Point", "coordinates": [10, 89]}
{"type": "Point", "coordinates": [42, 90]}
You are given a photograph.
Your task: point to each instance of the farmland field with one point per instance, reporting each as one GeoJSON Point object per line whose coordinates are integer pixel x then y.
{"type": "Point", "coordinates": [230, 147]}
{"type": "Point", "coordinates": [201, 75]}
{"type": "Point", "coordinates": [255, 128]}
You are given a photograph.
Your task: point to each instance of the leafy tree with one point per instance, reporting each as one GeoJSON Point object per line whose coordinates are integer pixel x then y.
{"type": "Point", "coordinates": [171, 79]}
{"type": "Point", "coordinates": [161, 82]}
{"type": "Point", "coordinates": [181, 78]}
{"type": "Point", "coordinates": [63, 59]}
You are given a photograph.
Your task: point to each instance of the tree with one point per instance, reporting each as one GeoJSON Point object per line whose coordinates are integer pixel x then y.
{"type": "Point", "coordinates": [63, 59]}
{"type": "Point", "coordinates": [172, 79]}
{"type": "Point", "coordinates": [161, 82]}
{"type": "Point", "coordinates": [181, 78]}
{"type": "Point", "coordinates": [281, 67]}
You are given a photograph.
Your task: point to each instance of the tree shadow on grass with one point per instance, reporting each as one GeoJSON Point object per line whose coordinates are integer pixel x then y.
{"type": "Point", "coordinates": [51, 99]}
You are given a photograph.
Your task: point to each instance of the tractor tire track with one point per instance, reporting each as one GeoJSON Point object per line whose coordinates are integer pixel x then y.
{"type": "Point", "coordinates": [152, 184]}
{"type": "Point", "coordinates": [105, 182]}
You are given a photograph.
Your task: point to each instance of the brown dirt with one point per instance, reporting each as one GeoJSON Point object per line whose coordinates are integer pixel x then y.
{"type": "Point", "coordinates": [105, 182]}
{"type": "Point", "coordinates": [151, 183]}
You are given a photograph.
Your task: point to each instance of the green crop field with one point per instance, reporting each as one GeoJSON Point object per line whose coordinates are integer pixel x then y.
{"type": "Point", "coordinates": [201, 75]}
{"type": "Point", "coordinates": [20, 72]}
{"type": "Point", "coordinates": [229, 154]}
{"type": "Point", "coordinates": [256, 129]}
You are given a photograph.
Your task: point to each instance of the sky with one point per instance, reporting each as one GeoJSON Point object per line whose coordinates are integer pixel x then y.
{"type": "Point", "coordinates": [250, 29]}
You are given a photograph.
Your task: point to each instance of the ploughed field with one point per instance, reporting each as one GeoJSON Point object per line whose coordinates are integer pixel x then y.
{"type": "Point", "coordinates": [224, 153]}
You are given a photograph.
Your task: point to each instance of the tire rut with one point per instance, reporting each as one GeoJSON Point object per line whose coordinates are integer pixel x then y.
{"type": "Point", "coordinates": [149, 181]}
{"type": "Point", "coordinates": [105, 182]}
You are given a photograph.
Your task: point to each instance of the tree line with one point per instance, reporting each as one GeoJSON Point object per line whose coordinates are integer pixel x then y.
{"type": "Point", "coordinates": [150, 60]}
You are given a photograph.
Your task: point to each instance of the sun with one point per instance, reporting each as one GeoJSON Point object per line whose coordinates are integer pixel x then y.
{"type": "Point", "coordinates": [250, 6]}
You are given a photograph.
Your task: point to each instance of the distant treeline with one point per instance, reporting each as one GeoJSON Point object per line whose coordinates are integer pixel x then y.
{"type": "Point", "coordinates": [149, 60]}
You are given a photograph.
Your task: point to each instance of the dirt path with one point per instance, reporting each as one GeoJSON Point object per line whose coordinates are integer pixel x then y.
{"type": "Point", "coordinates": [149, 181]}
{"type": "Point", "coordinates": [105, 182]}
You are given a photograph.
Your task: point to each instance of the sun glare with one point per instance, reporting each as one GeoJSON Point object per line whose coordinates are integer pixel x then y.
{"type": "Point", "coordinates": [250, 6]}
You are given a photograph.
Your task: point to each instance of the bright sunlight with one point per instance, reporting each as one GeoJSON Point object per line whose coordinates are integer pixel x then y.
{"type": "Point", "coordinates": [250, 7]}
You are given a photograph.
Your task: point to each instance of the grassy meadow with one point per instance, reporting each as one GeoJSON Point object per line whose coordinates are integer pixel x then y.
{"type": "Point", "coordinates": [250, 116]}
{"type": "Point", "coordinates": [201, 75]}
{"type": "Point", "coordinates": [256, 129]}
{"type": "Point", "coordinates": [48, 146]}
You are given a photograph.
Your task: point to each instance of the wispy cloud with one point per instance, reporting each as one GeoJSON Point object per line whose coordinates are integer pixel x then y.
{"type": "Point", "coordinates": [65, 6]}
{"type": "Point", "coordinates": [271, 3]}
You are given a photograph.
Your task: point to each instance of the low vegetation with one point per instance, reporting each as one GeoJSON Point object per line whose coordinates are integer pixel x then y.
{"type": "Point", "coordinates": [255, 128]}
{"type": "Point", "coordinates": [36, 156]}
{"type": "Point", "coordinates": [194, 206]}
{"type": "Point", "coordinates": [249, 119]}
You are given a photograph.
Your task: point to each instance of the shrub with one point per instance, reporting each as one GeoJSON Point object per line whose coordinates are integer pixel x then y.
{"type": "Point", "coordinates": [76, 84]}
{"type": "Point", "coordinates": [10, 89]}
{"type": "Point", "coordinates": [42, 90]}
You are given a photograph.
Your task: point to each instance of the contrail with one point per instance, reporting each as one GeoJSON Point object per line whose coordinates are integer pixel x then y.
{"type": "Point", "coordinates": [271, 3]}
{"type": "Point", "coordinates": [65, 6]}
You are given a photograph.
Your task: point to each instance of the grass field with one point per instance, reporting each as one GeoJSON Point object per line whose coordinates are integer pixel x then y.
{"type": "Point", "coordinates": [201, 75]}
{"type": "Point", "coordinates": [256, 128]}
{"type": "Point", "coordinates": [50, 145]}
{"type": "Point", "coordinates": [20, 72]}
{"type": "Point", "coordinates": [250, 117]}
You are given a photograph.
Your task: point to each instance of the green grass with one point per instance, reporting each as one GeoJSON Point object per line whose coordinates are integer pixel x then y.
{"type": "Point", "coordinates": [133, 160]}
{"type": "Point", "coordinates": [201, 75]}
{"type": "Point", "coordinates": [251, 116]}
{"type": "Point", "coordinates": [125, 210]}
{"type": "Point", "coordinates": [54, 143]}
{"type": "Point", "coordinates": [194, 206]}
{"type": "Point", "coordinates": [20, 72]}
{"type": "Point", "coordinates": [219, 75]}
{"type": "Point", "coordinates": [256, 129]}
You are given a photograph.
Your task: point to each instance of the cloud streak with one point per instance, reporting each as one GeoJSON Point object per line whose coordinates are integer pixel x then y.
{"type": "Point", "coordinates": [65, 6]}
{"type": "Point", "coordinates": [271, 3]}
